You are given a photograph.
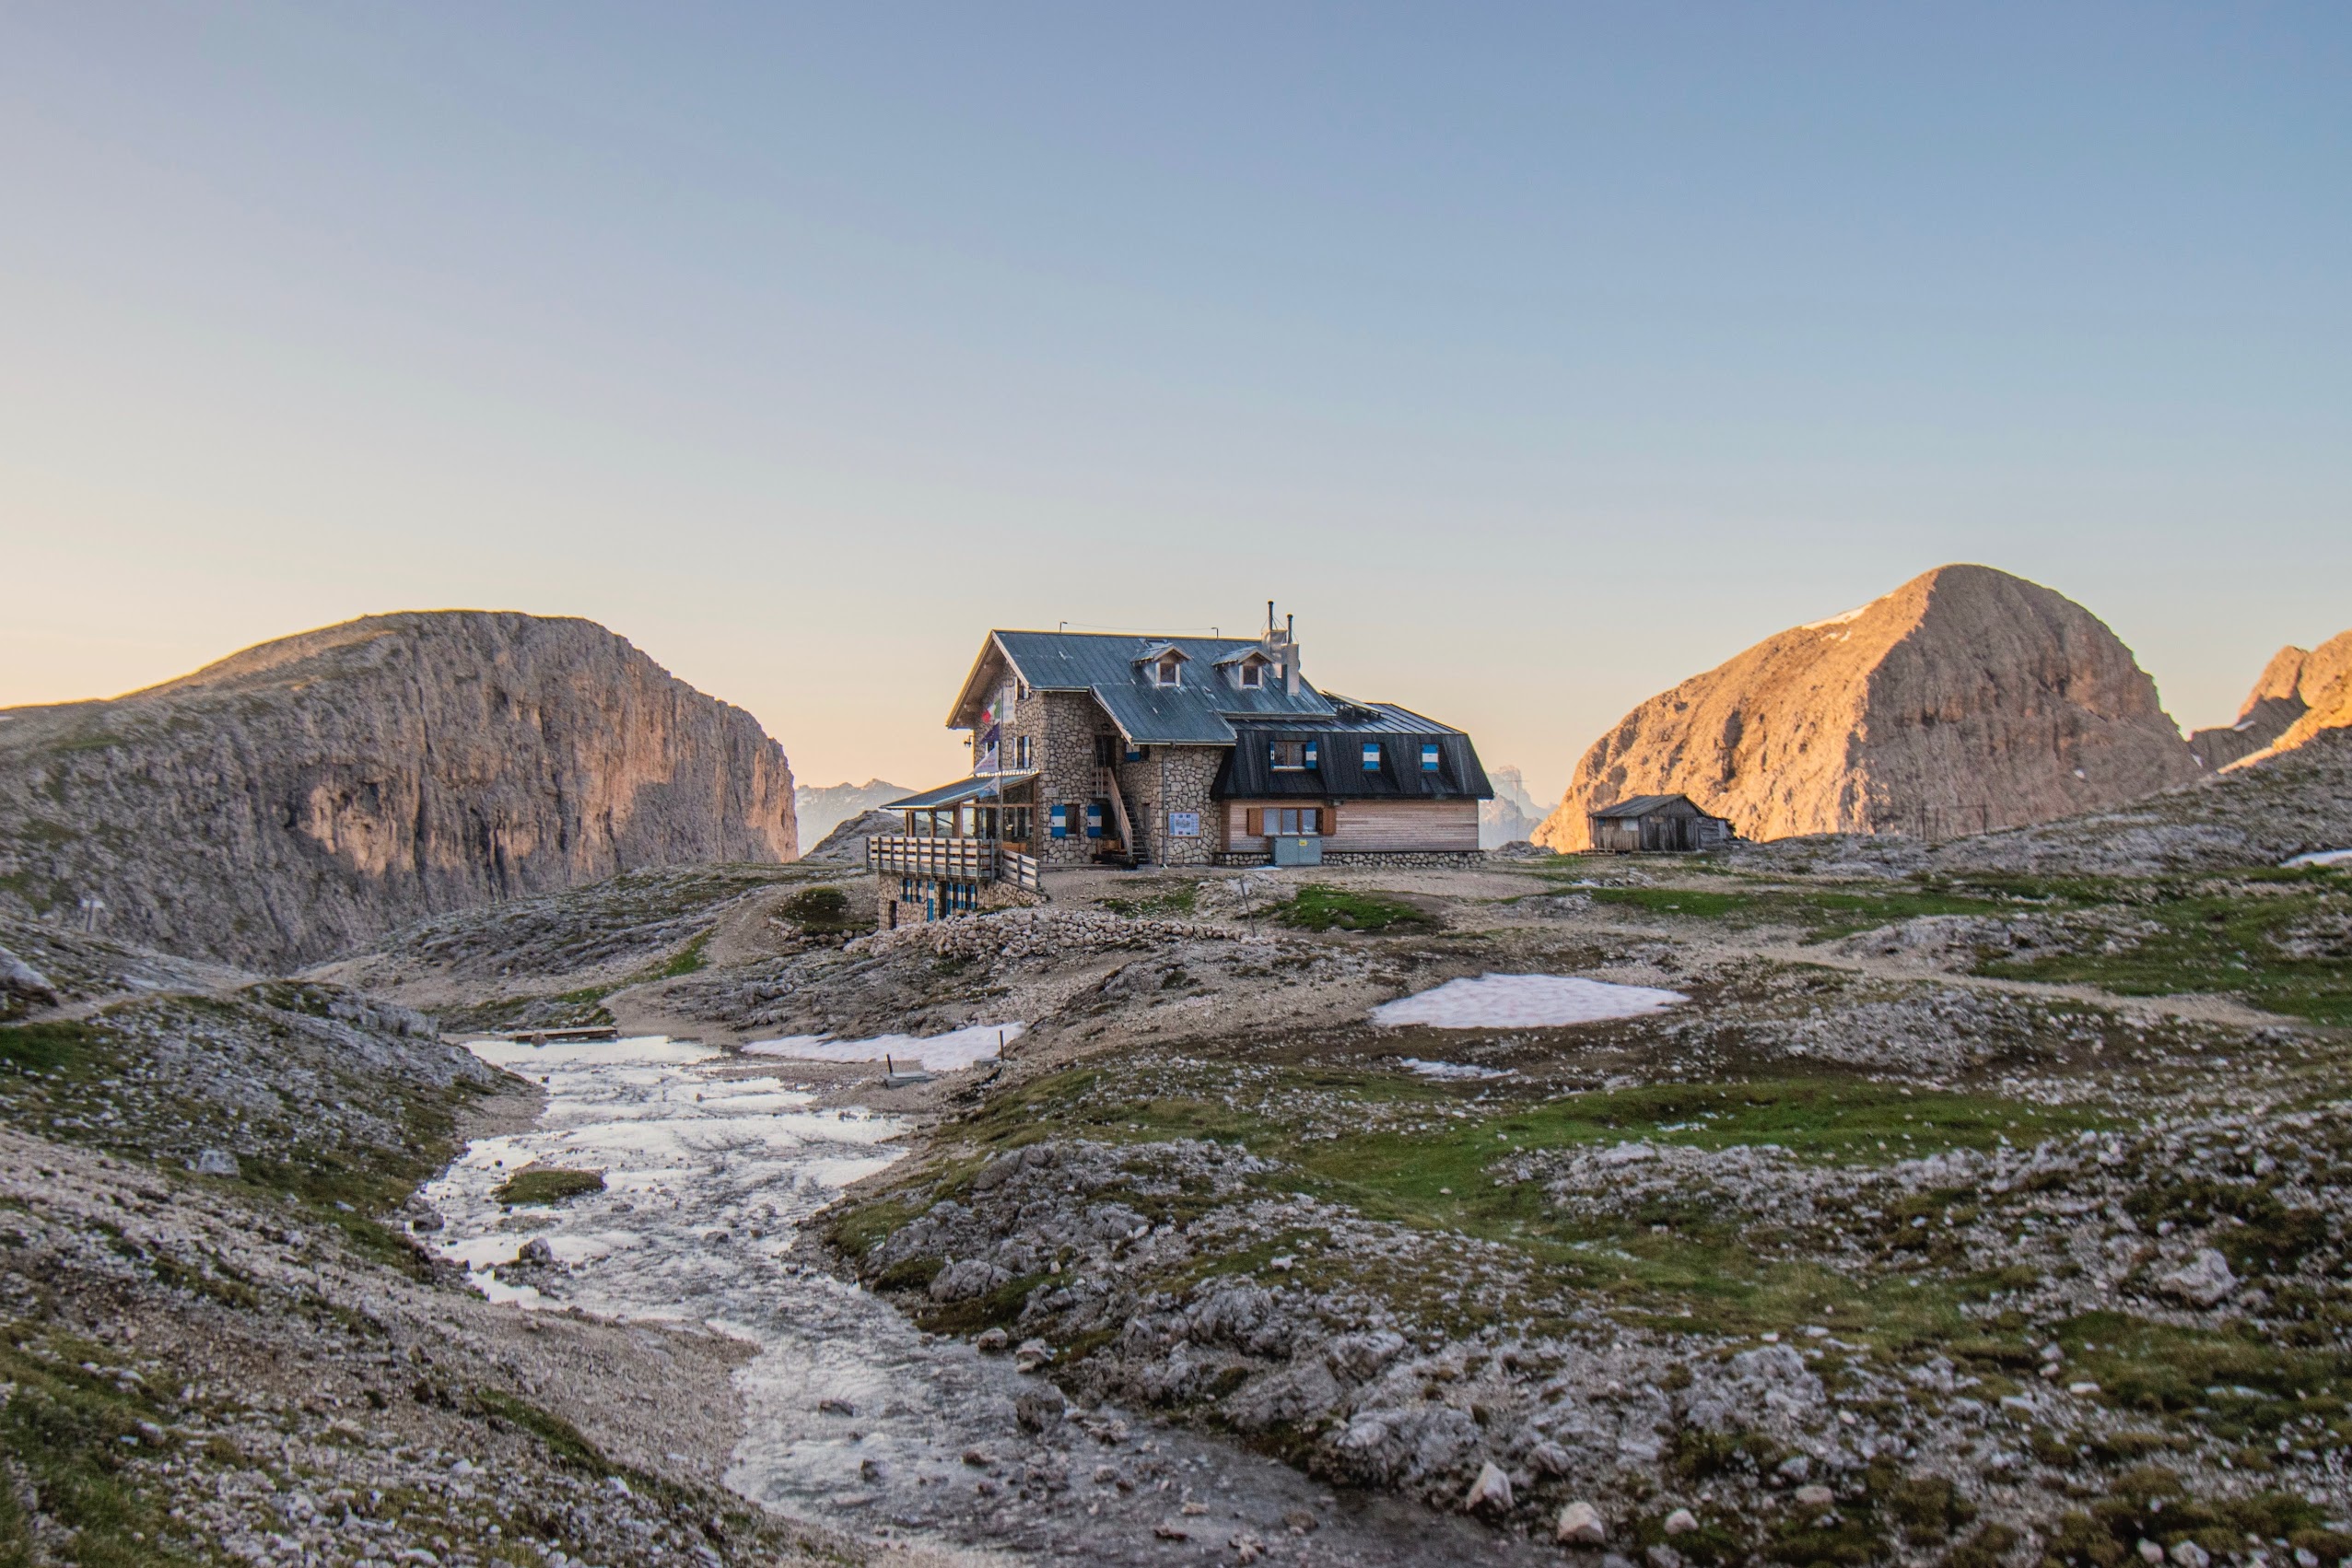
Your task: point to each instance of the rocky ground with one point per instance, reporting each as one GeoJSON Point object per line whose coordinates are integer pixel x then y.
{"type": "Point", "coordinates": [1979, 1204]}
{"type": "Point", "coordinates": [221, 1345]}
{"type": "Point", "coordinates": [1993, 1220]}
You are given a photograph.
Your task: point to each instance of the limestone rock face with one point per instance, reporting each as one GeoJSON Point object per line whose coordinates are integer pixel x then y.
{"type": "Point", "coordinates": [296, 798]}
{"type": "Point", "coordinates": [2269, 711]}
{"type": "Point", "coordinates": [2301, 693]}
{"type": "Point", "coordinates": [1965, 700]}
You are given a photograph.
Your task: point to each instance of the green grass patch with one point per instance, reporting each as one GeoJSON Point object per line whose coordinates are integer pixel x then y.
{"type": "Point", "coordinates": [563, 1439]}
{"type": "Point", "coordinates": [70, 1433]}
{"type": "Point", "coordinates": [1425, 1155]}
{"type": "Point", "coordinates": [2238, 1382]}
{"type": "Point", "coordinates": [1822, 914]}
{"type": "Point", "coordinates": [1163, 903]}
{"type": "Point", "coordinates": [685, 961]}
{"type": "Point", "coordinates": [547, 1184]}
{"type": "Point", "coordinates": [822, 911]}
{"type": "Point", "coordinates": [2281, 942]}
{"type": "Point", "coordinates": [1320, 907]}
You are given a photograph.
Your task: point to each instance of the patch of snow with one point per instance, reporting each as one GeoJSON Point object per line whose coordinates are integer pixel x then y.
{"type": "Point", "coordinates": [938, 1053]}
{"type": "Point", "coordinates": [1851, 615]}
{"type": "Point", "coordinates": [1452, 1069]}
{"type": "Point", "coordinates": [1523, 1001]}
{"type": "Point", "coordinates": [2322, 857]}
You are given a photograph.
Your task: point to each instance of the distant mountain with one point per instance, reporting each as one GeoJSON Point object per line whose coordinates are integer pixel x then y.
{"type": "Point", "coordinates": [2301, 693]}
{"type": "Point", "coordinates": [296, 799]}
{"type": "Point", "coordinates": [1512, 815]}
{"type": "Point", "coordinates": [1964, 701]}
{"type": "Point", "coordinates": [824, 807]}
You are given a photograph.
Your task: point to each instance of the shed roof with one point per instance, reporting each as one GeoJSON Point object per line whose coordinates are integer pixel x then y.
{"type": "Point", "coordinates": [1202, 711]}
{"type": "Point", "coordinates": [1645, 806]}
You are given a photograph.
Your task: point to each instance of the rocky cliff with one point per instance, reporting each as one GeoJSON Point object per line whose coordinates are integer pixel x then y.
{"type": "Point", "coordinates": [301, 797]}
{"type": "Point", "coordinates": [1965, 700]}
{"type": "Point", "coordinates": [2301, 693]}
{"type": "Point", "coordinates": [2269, 709]}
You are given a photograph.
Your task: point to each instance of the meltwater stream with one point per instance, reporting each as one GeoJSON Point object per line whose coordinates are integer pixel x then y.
{"type": "Point", "coordinates": [854, 1417]}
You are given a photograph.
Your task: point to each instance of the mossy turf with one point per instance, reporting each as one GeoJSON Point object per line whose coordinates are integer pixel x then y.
{"type": "Point", "coordinates": [1320, 907]}
{"type": "Point", "coordinates": [1179, 900]}
{"type": "Point", "coordinates": [822, 911]}
{"type": "Point", "coordinates": [547, 1184]}
{"type": "Point", "coordinates": [94, 1082]}
{"type": "Point", "coordinates": [1426, 1155]}
{"type": "Point", "coordinates": [73, 1420]}
{"type": "Point", "coordinates": [2281, 941]}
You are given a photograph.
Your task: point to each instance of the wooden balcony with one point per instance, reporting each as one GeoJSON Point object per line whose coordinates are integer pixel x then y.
{"type": "Point", "coordinates": [903, 854]}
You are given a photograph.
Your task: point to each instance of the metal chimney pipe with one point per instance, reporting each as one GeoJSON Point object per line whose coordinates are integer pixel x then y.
{"type": "Point", "coordinates": [1290, 653]}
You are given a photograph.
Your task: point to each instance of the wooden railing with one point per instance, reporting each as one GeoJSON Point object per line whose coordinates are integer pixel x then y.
{"type": "Point", "coordinates": [901, 854]}
{"type": "Point", "coordinates": [1021, 871]}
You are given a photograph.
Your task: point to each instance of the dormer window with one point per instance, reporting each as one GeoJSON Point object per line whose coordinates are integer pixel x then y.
{"type": "Point", "coordinates": [1253, 675]}
{"type": "Point", "coordinates": [1169, 671]}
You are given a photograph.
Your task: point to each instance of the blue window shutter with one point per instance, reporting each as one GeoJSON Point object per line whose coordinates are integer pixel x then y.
{"type": "Point", "coordinates": [1311, 760]}
{"type": "Point", "coordinates": [1372, 756]}
{"type": "Point", "coordinates": [1060, 819]}
{"type": "Point", "coordinates": [1429, 759]}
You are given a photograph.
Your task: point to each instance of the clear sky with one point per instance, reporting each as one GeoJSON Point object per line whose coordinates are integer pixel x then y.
{"type": "Point", "coordinates": [1537, 357]}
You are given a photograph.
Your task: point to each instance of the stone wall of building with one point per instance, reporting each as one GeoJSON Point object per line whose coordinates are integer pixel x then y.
{"type": "Point", "coordinates": [1061, 727]}
{"type": "Point", "coordinates": [1170, 780]}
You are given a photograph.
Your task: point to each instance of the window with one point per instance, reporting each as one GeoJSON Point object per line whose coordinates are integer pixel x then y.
{"type": "Point", "coordinates": [1288, 756]}
{"type": "Point", "coordinates": [1169, 671]}
{"type": "Point", "coordinates": [1253, 674]}
{"type": "Point", "coordinates": [1023, 751]}
{"type": "Point", "coordinates": [1106, 750]}
{"type": "Point", "coordinates": [1372, 756]}
{"type": "Point", "coordinates": [1429, 757]}
{"type": "Point", "coordinates": [1016, 824]}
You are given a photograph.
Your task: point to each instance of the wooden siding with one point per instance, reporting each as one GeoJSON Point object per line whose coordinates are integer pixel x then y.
{"type": "Point", "coordinates": [1403, 826]}
{"type": "Point", "coordinates": [1372, 826]}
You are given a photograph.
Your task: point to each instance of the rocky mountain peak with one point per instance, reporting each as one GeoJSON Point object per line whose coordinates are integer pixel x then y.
{"type": "Point", "coordinates": [1966, 699]}
{"type": "Point", "coordinates": [297, 798]}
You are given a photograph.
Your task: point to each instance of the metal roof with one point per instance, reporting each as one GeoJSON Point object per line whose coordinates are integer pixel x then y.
{"type": "Point", "coordinates": [1200, 712]}
{"type": "Point", "coordinates": [979, 787]}
{"type": "Point", "coordinates": [1645, 805]}
{"type": "Point", "coordinates": [1339, 774]}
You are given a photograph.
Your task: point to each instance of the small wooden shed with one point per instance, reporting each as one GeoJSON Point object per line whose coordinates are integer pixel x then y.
{"type": "Point", "coordinates": [1657, 823]}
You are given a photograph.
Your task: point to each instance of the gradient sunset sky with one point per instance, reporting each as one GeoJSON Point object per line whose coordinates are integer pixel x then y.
{"type": "Point", "coordinates": [1535, 356]}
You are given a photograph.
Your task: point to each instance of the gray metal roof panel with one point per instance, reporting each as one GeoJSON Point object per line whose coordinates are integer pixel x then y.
{"type": "Point", "coordinates": [1199, 712]}
{"type": "Point", "coordinates": [979, 787]}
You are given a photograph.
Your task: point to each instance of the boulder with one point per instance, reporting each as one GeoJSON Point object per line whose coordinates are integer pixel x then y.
{"type": "Point", "coordinates": [2205, 1281]}
{"type": "Point", "coordinates": [1362, 1356]}
{"type": "Point", "coordinates": [22, 987]}
{"type": "Point", "coordinates": [1580, 1525]}
{"type": "Point", "coordinates": [967, 1278]}
{"type": "Point", "coordinates": [1491, 1492]}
